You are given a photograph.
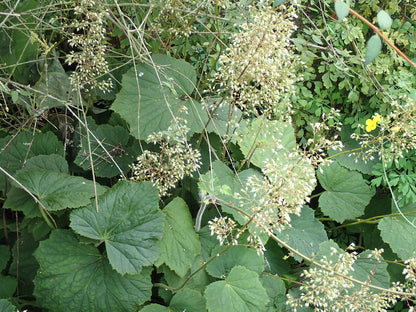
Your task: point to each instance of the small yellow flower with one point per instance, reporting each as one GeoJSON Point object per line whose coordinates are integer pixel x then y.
{"type": "Point", "coordinates": [371, 124]}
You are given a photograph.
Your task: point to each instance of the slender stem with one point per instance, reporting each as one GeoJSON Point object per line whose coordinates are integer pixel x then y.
{"type": "Point", "coordinates": [373, 219]}
{"type": "Point", "coordinates": [345, 152]}
{"type": "Point", "coordinates": [323, 267]}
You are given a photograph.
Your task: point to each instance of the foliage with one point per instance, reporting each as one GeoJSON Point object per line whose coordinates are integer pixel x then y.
{"type": "Point", "coordinates": [207, 155]}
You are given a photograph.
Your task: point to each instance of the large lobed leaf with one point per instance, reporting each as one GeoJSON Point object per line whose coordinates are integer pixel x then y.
{"type": "Point", "coordinates": [185, 300]}
{"type": "Point", "coordinates": [365, 269]}
{"type": "Point", "coordinates": [57, 190]}
{"type": "Point", "coordinates": [152, 95]}
{"type": "Point", "coordinates": [128, 221]}
{"type": "Point", "coordinates": [352, 154]}
{"type": "Point", "coordinates": [15, 152]}
{"type": "Point", "coordinates": [180, 244]}
{"type": "Point", "coordinates": [305, 234]}
{"type": "Point", "coordinates": [267, 139]}
{"type": "Point", "coordinates": [236, 255]}
{"type": "Point", "coordinates": [346, 193]}
{"type": "Point", "coordinates": [221, 182]}
{"type": "Point", "coordinates": [400, 233]}
{"type": "Point", "coordinates": [107, 141]}
{"type": "Point", "coordinates": [241, 291]}
{"type": "Point", "coordinates": [76, 277]}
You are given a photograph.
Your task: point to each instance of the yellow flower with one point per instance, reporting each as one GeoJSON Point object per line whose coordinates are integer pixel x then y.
{"type": "Point", "coordinates": [371, 124]}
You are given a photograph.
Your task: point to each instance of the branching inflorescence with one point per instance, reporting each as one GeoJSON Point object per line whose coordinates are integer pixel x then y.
{"type": "Point", "coordinates": [259, 67]}
{"type": "Point", "coordinates": [175, 159]}
{"type": "Point", "coordinates": [87, 35]}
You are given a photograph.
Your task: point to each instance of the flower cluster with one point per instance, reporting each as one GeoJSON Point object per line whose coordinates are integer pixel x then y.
{"type": "Point", "coordinates": [260, 67]}
{"type": "Point", "coordinates": [324, 137]}
{"type": "Point", "coordinates": [176, 17]}
{"type": "Point", "coordinates": [282, 191]}
{"type": "Point", "coordinates": [223, 228]}
{"type": "Point", "coordinates": [87, 33]}
{"type": "Point", "coordinates": [227, 233]}
{"type": "Point", "coordinates": [170, 164]}
{"type": "Point", "coordinates": [327, 290]}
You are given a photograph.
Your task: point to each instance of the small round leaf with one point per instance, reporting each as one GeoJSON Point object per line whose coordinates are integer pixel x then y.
{"type": "Point", "coordinates": [373, 49]}
{"type": "Point", "coordinates": [342, 9]}
{"type": "Point", "coordinates": [384, 20]}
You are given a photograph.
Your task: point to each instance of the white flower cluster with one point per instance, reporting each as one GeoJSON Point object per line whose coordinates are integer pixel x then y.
{"type": "Point", "coordinates": [282, 191]}
{"type": "Point", "coordinates": [327, 290]}
{"type": "Point", "coordinates": [260, 67]}
{"type": "Point", "coordinates": [87, 34]}
{"type": "Point", "coordinates": [166, 167]}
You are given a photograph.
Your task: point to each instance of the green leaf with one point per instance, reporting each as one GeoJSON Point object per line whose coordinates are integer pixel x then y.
{"type": "Point", "coordinates": [274, 287]}
{"type": "Point", "coordinates": [266, 142]}
{"type": "Point", "coordinates": [115, 141]}
{"type": "Point", "coordinates": [24, 264]}
{"type": "Point", "coordinates": [51, 162]}
{"type": "Point", "coordinates": [198, 281]}
{"type": "Point", "coordinates": [15, 152]}
{"type": "Point", "coordinates": [128, 221]}
{"type": "Point", "coordinates": [367, 269]}
{"type": "Point", "coordinates": [241, 291]}
{"type": "Point", "coordinates": [224, 119]}
{"type": "Point", "coordinates": [373, 48]}
{"type": "Point", "coordinates": [17, 49]}
{"type": "Point", "coordinates": [224, 184]}
{"type": "Point", "coordinates": [6, 306]}
{"type": "Point", "coordinates": [265, 139]}
{"type": "Point", "coordinates": [400, 233]}
{"type": "Point", "coordinates": [57, 190]}
{"type": "Point", "coordinates": [151, 97]}
{"type": "Point", "coordinates": [305, 234]}
{"type": "Point", "coordinates": [353, 160]}
{"type": "Point", "coordinates": [76, 277]}
{"type": "Point", "coordinates": [279, 2]}
{"type": "Point", "coordinates": [8, 285]}
{"type": "Point", "coordinates": [384, 20]}
{"type": "Point", "coordinates": [54, 86]}
{"type": "Point", "coordinates": [208, 242]}
{"type": "Point", "coordinates": [180, 244]}
{"type": "Point", "coordinates": [342, 9]}
{"type": "Point", "coordinates": [155, 308]}
{"type": "Point", "coordinates": [346, 193]}
{"type": "Point", "coordinates": [188, 300]}
{"type": "Point", "coordinates": [275, 259]}
{"type": "Point", "coordinates": [19, 200]}
{"type": "Point", "coordinates": [236, 255]}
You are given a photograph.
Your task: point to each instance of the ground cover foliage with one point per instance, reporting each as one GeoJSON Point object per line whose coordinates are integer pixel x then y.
{"type": "Point", "coordinates": [204, 155]}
